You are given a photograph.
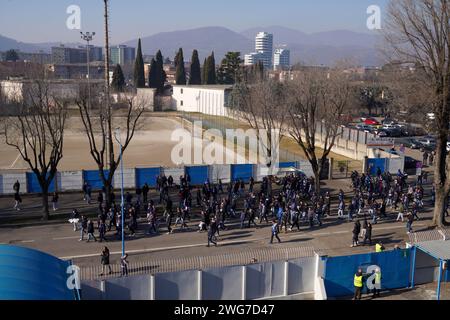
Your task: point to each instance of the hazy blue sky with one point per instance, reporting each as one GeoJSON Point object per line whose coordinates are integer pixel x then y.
{"type": "Point", "coordinates": [45, 20]}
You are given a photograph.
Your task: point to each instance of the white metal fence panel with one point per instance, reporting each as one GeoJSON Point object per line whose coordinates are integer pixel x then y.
{"type": "Point", "coordinates": [129, 179]}
{"type": "Point", "coordinates": [222, 283]}
{"type": "Point", "coordinates": [174, 172]}
{"type": "Point", "coordinates": [216, 172]}
{"type": "Point", "coordinates": [70, 180]}
{"type": "Point", "coordinates": [177, 285]}
{"type": "Point", "coordinates": [9, 179]}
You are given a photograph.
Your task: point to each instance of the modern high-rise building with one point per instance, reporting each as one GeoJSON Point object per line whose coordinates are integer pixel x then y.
{"type": "Point", "coordinates": [122, 55]}
{"type": "Point", "coordinates": [95, 53]}
{"type": "Point", "coordinates": [264, 45]}
{"type": "Point", "coordinates": [281, 59]}
{"type": "Point", "coordinates": [263, 50]}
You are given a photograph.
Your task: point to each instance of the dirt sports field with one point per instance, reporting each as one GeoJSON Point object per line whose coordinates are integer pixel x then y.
{"type": "Point", "coordinates": [150, 147]}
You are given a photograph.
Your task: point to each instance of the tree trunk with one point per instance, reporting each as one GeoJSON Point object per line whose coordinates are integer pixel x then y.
{"type": "Point", "coordinates": [440, 180]}
{"type": "Point", "coordinates": [45, 209]}
{"type": "Point", "coordinates": [439, 207]}
{"type": "Point", "coordinates": [108, 189]}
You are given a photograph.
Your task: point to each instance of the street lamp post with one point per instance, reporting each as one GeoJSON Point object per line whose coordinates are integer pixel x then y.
{"type": "Point", "coordinates": [88, 36]}
{"type": "Point", "coordinates": [118, 139]}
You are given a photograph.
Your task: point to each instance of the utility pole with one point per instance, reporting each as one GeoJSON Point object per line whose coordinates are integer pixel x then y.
{"type": "Point", "coordinates": [88, 36]}
{"type": "Point", "coordinates": [109, 142]}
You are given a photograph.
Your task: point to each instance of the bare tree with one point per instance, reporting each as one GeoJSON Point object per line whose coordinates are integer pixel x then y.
{"type": "Point", "coordinates": [418, 32]}
{"type": "Point", "coordinates": [37, 133]}
{"type": "Point", "coordinates": [99, 125]}
{"type": "Point", "coordinates": [317, 101]}
{"type": "Point", "coordinates": [262, 106]}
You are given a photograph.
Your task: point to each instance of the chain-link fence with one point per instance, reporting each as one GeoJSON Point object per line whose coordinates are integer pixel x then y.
{"type": "Point", "coordinates": [154, 266]}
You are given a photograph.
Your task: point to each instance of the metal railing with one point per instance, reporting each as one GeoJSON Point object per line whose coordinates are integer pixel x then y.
{"type": "Point", "coordinates": [155, 266]}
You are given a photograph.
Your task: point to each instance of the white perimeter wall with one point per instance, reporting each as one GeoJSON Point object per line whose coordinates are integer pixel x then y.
{"type": "Point", "coordinates": [256, 281]}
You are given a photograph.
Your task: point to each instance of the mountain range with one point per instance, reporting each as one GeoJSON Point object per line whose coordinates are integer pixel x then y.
{"type": "Point", "coordinates": [316, 48]}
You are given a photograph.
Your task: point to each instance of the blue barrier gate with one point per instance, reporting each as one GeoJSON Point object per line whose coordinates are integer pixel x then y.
{"type": "Point", "coordinates": [198, 174]}
{"type": "Point", "coordinates": [241, 172]}
{"type": "Point", "coordinates": [374, 164]}
{"type": "Point", "coordinates": [339, 271]}
{"type": "Point", "coordinates": [147, 175]}
{"type": "Point", "coordinates": [33, 185]}
{"type": "Point", "coordinates": [93, 178]}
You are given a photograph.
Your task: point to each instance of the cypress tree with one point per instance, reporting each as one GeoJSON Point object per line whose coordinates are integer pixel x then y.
{"type": "Point", "coordinates": [211, 70]}
{"type": "Point", "coordinates": [118, 79]}
{"type": "Point", "coordinates": [139, 77]}
{"type": "Point", "coordinates": [204, 71]}
{"type": "Point", "coordinates": [160, 74]}
{"type": "Point", "coordinates": [180, 75]}
{"type": "Point", "coordinates": [152, 82]}
{"type": "Point", "coordinates": [195, 77]}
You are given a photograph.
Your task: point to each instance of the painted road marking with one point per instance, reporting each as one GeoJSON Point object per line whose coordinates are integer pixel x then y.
{"type": "Point", "coordinates": [15, 161]}
{"type": "Point", "coordinates": [65, 238]}
{"type": "Point", "coordinates": [162, 249]}
{"type": "Point", "coordinates": [27, 241]}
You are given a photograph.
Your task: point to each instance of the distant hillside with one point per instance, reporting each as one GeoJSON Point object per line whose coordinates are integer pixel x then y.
{"type": "Point", "coordinates": [205, 40]}
{"type": "Point", "coordinates": [316, 48]}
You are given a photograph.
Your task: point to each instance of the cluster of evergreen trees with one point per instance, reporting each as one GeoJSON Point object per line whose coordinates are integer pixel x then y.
{"type": "Point", "coordinates": [230, 71]}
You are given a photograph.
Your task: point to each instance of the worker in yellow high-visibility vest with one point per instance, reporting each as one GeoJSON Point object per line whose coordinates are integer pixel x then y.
{"type": "Point", "coordinates": [379, 247]}
{"type": "Point", "coordinates": [358, 284]}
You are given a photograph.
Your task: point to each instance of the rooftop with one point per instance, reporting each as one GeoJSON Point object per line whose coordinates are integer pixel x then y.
{"type": "Point", "coordinates": [207, 87]}
{"type": "Point", "coordinates": [438, 249]}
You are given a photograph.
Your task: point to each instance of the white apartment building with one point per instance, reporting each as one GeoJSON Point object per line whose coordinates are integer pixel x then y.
{"type": "Point", "coordinates": [263, 51]}
{"type": "Point", "coordinates": [253, 58]}
{"type": "Point", "coordinates": [264, 45]}
{"type": "Point", "coordinates": [206, 99]}
{"type": "Point", "coordinates": [281, 59]}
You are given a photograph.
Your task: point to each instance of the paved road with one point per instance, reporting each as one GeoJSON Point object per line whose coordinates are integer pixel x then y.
{"type": "Point", "coordinates": [333, 238]}
{"type": "Point", "coordinates": [59, 239]}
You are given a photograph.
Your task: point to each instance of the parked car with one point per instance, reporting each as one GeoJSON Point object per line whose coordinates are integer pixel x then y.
{"type": "Point", "coordinates": [364, 127]}
{"type": "Point", "coordinates": [381, 133]}
{"type": "Point", "coordinates": [413, 144]}
{"type": "Point", "coordinates": [394, 132]}
{"type": "Point", "coordinates": [371, 122]}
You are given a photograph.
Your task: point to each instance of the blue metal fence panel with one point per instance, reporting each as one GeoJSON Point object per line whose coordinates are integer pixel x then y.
{"type": "Point", "coordinates": [33, 185]}
{"type": "Point", "coordinates": [93, 178]}
{"type": "Point", "coordinates": [339, 271]}
{"type": "Point", "coordinates": [198, 174]}
{"type": "Point", "coordinates": [241, 172]}
{"type": "Point", "coordinates": [283, 165]}
{"type": "Point", "coordinates": [374, 164]}
{"type": "Point", "coordinates": [147, 175]}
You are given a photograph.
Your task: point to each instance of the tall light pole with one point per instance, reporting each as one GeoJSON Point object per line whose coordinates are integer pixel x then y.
{"type": "Point", "coordinates": [109, 142]}
{"type": "Point", "coordinates": [88, 36]}
{"type": "Point", "coordinates": [119, 141]}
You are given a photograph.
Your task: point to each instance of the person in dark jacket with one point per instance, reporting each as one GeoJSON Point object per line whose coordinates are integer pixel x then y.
{"type": "Point", "coordinates": [355, 232]}
{"type": "Point", "coordinates": [213, 228]}
{"type": "Point", "coordinates": [83, 228]}
{"type": "Point", "coordinates": [90, 231]}
{"type": "Point", "coordinates": [17, 201]}
{"type": "Point", "coordinates": [105, 261]}
{"type": "Point", "coordinates": [169, 216]}
{"type": "Point", "coordinates": [145, 191]}
{"type": "Point", "coordinates": [368, 235]}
